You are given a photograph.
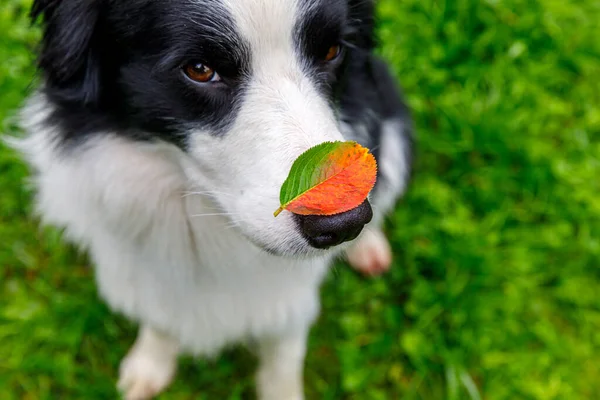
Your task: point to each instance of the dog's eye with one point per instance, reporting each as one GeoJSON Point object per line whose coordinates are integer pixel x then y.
{"type": "Point", "coordinates": [202, 73]}
{"type": "Point", "coordinates": [333, 53]}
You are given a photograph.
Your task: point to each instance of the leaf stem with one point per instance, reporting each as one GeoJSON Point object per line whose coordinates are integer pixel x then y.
{"type": "Point", "coordinates": [279, 210]}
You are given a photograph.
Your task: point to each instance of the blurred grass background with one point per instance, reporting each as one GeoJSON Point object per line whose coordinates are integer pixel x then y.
{"type": "Point", "coordinates": [495, 289]}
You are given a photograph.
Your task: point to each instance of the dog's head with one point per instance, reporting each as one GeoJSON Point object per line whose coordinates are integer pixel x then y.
{"type": "Point", "coordinates": [242, 87]}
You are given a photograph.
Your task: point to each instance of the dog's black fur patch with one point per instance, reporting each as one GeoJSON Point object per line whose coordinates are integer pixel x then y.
{"type": "Point", "coordinates": [115, 66]}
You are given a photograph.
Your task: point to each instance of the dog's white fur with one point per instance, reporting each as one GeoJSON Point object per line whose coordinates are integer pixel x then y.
{"type": "Point", "coordinates": [174, 235]}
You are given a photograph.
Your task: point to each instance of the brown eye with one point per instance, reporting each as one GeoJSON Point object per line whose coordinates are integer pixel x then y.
{"type": "Point", "coordinates": [200, 73]}
{"type": "Point", "coordinates": [333, 53]}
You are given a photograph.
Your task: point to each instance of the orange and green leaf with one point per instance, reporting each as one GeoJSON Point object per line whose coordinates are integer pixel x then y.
{"type": "Point", "coordinates": [328, 179]}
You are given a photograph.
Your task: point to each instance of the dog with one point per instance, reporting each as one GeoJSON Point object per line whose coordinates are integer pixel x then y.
{"type": "Point", "coordinates": [158, 140]}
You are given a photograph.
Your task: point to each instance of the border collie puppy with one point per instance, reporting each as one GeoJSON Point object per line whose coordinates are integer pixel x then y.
{"type": "Point", "coordinates": [159, 139]}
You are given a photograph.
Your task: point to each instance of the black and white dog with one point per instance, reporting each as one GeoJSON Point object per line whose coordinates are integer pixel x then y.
{"type": "Point", "coordinates": [159, 140]}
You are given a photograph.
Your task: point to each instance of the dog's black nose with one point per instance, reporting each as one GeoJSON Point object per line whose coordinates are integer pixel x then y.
{"type": "Point", "coordinates": [323, 232]}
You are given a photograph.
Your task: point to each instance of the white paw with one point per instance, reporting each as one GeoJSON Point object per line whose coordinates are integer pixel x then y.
{"type": "Point", "coordinates": [277, 392]}
{"type": "Point", "coordinates": [143, 376]}
{"type": "Point", "coordinates": [371, 254]}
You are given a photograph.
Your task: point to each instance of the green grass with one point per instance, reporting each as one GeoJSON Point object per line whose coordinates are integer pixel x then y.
{"type": "Point", "coordinates": [494, 290]}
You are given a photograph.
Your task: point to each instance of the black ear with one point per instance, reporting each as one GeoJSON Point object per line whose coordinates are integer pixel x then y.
{"type": "Point", "coordinates": [362, 15]}
{"type": "Point", "coordinates": [68, 56]}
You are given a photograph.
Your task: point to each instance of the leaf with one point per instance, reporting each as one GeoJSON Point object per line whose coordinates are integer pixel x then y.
{"type": "Point", "coordinates": [330, 178]}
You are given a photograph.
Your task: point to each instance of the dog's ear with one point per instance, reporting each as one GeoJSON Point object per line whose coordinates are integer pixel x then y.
{"type": "Point", "coordinates": [362, 15]}
{"type": "Point", "coordinates": [68, 56]}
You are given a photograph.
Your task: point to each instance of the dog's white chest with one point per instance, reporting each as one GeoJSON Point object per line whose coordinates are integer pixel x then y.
{"type": "Point", "coordinates": [231, 291]}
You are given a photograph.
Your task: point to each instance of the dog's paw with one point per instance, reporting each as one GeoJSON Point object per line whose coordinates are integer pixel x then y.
{"type": "Point", "coordinates": [143, 376]}
{"type": "Point", "coordinates": [371, 254]}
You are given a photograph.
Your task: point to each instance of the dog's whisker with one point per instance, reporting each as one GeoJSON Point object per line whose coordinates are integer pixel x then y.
{"type": "Point", "coordinates": [234, 224]}
{"type": "Point", "coordinates": [207, 193]}
{"type": "Point", "coordinates": [212, 215]}
{"type": "Point", "coordinates": [215, 194]}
